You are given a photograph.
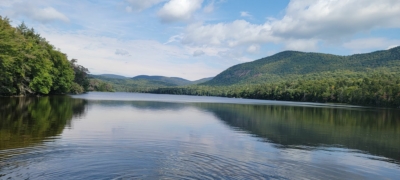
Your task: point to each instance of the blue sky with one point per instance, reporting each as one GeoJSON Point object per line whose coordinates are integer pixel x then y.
{"type": "Point", "coordinates": [200, 38]}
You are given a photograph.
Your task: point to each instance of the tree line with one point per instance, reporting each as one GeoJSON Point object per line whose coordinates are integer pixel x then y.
{"type": "Point", "coordinates": [375, 88]}
{"type": "Point", "coordinates": [30, 65]}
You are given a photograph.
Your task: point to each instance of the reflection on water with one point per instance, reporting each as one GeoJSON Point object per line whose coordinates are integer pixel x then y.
{"type": "Point", "coordinates": [24, 121]}
{"type": "Point", "coordinates": [191, 140]}
{"type": "Point", "coordinates": [374, 131]}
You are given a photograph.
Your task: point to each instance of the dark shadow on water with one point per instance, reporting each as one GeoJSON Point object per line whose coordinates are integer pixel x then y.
{"type": "Point", "coordinates": [25, 121]}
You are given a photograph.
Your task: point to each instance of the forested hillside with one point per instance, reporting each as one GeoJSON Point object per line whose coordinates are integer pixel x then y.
{"type": "Point", "coordinates": [30, 65]}
{"type": "Point", "coordinates": [371, 79]}
{"type": "Point", "coordinates": [289, 64]}
{"type": "Point", "coordinates": [113, 76]}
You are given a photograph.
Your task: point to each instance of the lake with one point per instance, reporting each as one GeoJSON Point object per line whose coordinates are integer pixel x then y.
{"type": "Point", "coordinates": [147, 136]}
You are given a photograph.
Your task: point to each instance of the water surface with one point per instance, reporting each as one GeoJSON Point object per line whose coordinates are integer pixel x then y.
{"type": "Point", "coordinates": [147, 136]}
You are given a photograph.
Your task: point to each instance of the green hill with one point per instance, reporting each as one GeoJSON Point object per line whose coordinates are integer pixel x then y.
{"type": "Point", "coordinates": [203, 80]}
{"type": "Point", "coordinates": [287, 64]}
{"type": "Point", "coordinates": [169, 80]}
{"type": "Point", "coordinates": [113, 76]}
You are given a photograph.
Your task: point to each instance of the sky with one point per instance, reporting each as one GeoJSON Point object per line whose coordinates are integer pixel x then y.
{"type": "Point", "coordinates": [194, 39]}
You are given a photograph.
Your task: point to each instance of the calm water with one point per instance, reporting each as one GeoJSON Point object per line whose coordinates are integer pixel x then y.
{"type": "Point", "coordinates": [145, 136]}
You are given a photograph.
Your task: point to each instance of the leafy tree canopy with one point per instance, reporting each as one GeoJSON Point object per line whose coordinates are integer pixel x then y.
{"type": "Point", "coordinates": [30, 65]}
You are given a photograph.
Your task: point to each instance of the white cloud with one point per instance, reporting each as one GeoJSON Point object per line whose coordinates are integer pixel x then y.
{"type": "Point", "coordinates": [109, 55]}
{"type": "Point", "coordinates": [253, 48]}
{"type": "Point", "coordinates": [230, 34]}
{"type": "Point", "coordinates": [122, 52]}
{"type": "Point", "coordinates": [234, 54]}
{"type": "Point", "coordinates": [245, 14]}
{"type": "Point", "coordinates": [49, 14]}
{"type": "Point", "coordinates": [140, 5]}
{"type": "Point", "coordinates": [29, 10]}
{"type": "Point", "coordinates": [301, 44]}
{"type": "Point", "coordinates": [128, 9]}
{"type": "Point", "coordinates": [178, 10]}
{"type": "Point", "coordinates": [367, 44]}
{"type": "Point", "coordinates": [6, 2]}
{"type": "Point", "coordinates": [209, 8]}
{"type": "Point", "coordinates": [198, 53]}
{"type": "Point", "coordinates": [175, 38]}
{"type": "Point", "coordinates": [335, 18]}
{"type": "Point", "coordinates": [305, 24]}
{"type": "Point", "coordinates": [209, 51]}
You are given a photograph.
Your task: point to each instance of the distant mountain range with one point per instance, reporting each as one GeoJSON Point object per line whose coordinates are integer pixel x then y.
{"type": "Point", "coordinates": [170, 80]}
{"type": "Point", "coordinates": [145, 82]}
{"type": "Point", "coordinates": [283, 66]}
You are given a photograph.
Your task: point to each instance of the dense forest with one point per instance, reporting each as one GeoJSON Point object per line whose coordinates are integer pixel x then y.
{"type": "Point", "coordinates": [30, 65]}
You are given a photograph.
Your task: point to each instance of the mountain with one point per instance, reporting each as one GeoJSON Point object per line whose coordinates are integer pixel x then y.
{"type": "Point", "coordinates": [172, 80]}
{"type": "Point", "coordinates": [113, 76]}
{"type": "Point", "coordinates": [169, 80]}
{"type": "Point", "coordinates": [287, 64]}
{"type": "Point", "coordinates": [203, 80]}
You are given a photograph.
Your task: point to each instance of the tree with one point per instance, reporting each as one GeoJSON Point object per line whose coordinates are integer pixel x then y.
{"type": "Point", "coordinates": [81, 75]}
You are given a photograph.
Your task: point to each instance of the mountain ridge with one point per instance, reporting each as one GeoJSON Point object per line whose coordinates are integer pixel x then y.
{"type": "Point", "coordinates": [173, 80]}
{"type": "Point", "coordinates": [288, 63]}
{"type": "Point", "coordinates": [113, 76]}
{"type": "Point", "coordinates": [143, 83]}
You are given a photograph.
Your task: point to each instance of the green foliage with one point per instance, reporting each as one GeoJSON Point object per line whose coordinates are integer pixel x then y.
{"type": "Point", "coordinates": [76, 88]}
{"type": "Point", "coordinates": [99, 85]}
{"type": "Point", "coordinates": [30, 65]}
{"type": "Point", "coordinates": [63, 74]}
{"type": "Point", "coordinates": [81, 75]}
{"type": "Point", "coordinates": [10, 46]}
